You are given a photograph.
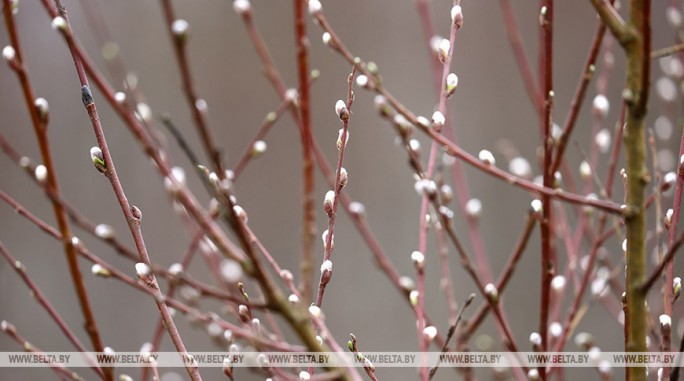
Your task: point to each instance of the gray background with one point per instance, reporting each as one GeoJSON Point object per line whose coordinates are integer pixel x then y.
{"type": "Point", "coordinates": [490, 104]}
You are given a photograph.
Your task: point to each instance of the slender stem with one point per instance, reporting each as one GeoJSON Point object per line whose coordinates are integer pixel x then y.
{"type": "Point", "coordinates": [342, 144]}
{"type": "Point", "coordinates": [309, 226]}
{"type": "Point", "coordinates": [40, 125]}
{"type": "Point", "coordinates": [664, 52]}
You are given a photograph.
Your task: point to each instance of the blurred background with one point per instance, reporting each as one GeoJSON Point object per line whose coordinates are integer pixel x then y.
{"type": "Point", "coordinates": [489, 107]}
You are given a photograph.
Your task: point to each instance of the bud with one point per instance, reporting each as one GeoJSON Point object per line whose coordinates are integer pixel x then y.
{"type": "Point", "coordinates": [293, 299]}
{"type": "Point", "coordinates": [258, 148]}
{"type": "Point", "coordinates": [42, 107]}
{"type": "Point", "coordinates": [536, 206]}
{"type": "Point", "coordinates": [676, 287]}
{"type": "Point", "coordinates": [362, 81]}
{"type": "Point", "coordinates": [341, 109]}
{"type": "Point", "coordinates": [486, 157]}
{"type": "Point", "coordinates": [430, 332]}
{"type": "Point", "coordinates": [9, 54]}
{"type": "Point", "coordinates": [491, 292]}
{"type": "Point", "coordinates": [457, 16]}
{"type": "Point", "coordinates": [344, 177]}
{"type": "Point", "coordinates": [104, 231]}
{"type": "Point", "coordinates": [242, 6]}
{"type": "Point", "coordinates": [326, 39]}
{"type": "Point", "coordinates": [674, 16]}
{"type": "Point", "coordinates": [473, 208]}
{"type": "Point", "coordinates": [668, 218]}
{"type": "Point", "coordinates": [292, 95]}
{"type": "Point", "coordinates": [98, 159]}
{"type": "Point", "coordinates": [665, 322]}
{"type": "Point", "coordinates": [381, 105]}
{"type": "Point", "coordinates": [304, 375]}
{"type": "Point", "coordinates": [446, 193]}
{"type": "Point", "coordinates": [230, 270]}
{"type": "Point", "coordinates": [142, 269]}
{"type": "Point", "coordinates": [601, 106]}
{"type": "Point", "coordinates": [533, 374]}
{"type": "Point", "coordinates": [444, 49]}
{"type": "Point", "coordinates": [120, 97]}
{"type": "Point", "coordinates": [357, 208]}
{"type": "Point", "coordinates": [418, 259]}
{"type": "Point", "coordinates": [324, 237]}
{"type": "Point", "coordinates": [328, 202]}
{"type": "Point", "coordinates": [555, 329]}
{"type": "Point", "coordinates": [451, 83]}
{"type": "Point", "coordinates": [176, 269]}
{"type": "Point", "coordinates": [413, 297]}
{"type": "Point", "coordinates": [100, 271]}
{"type": "Point", "coordinates": [243, 313]}
{"type": "Point", "coordinates": [286, 275]}
{"type": "Point", "coordinates": [315, 7]}
{"type": "Point", "coordinates": [519, 166]}
{"type": "Point", "coordinates": [585, 170]}
{"type": "Point", "coordinates": [326, 271]}
{"type": "Point", "coordinates": [180, 29]}
{"type": "Point", "coordinates": [425, 187]}
{"type": "Point", "coordinates": [407, 283]}
{"type": "Point", "coordinates": [41, 173]}
{"type": "Point", "coordinates": [59, 23]}
{"type": "Point", "coordinates": [603, 140]}
{"type": "Point", "coordinates": [422, 121]}
{"type": "Point", "coordinates": [558, 283]}
{"type": "Point", "coordinates": [438, 120]}
{"type": "Point", "coordinates": [414, 145]}
{"type": "Point", "coordinates": [240, 213]}
{"type": "Point", "coordinates": [315, 311]}
{"type": "Point", "coordinates": [535, 339]}
{"type": "Point", "coordinates": [340, 136]}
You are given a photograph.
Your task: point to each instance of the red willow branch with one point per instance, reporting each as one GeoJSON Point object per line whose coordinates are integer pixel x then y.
{"type": "Point", "coordinates": [309, 227]}
{"type": "Point", "coordinates": [179, 32]}
{"type": "Point", "coordinates": [38, 111]}
{"type": "Point", "coordinates": [343, 111]}
{"type": "Point", "coordinates": [132, 214]}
